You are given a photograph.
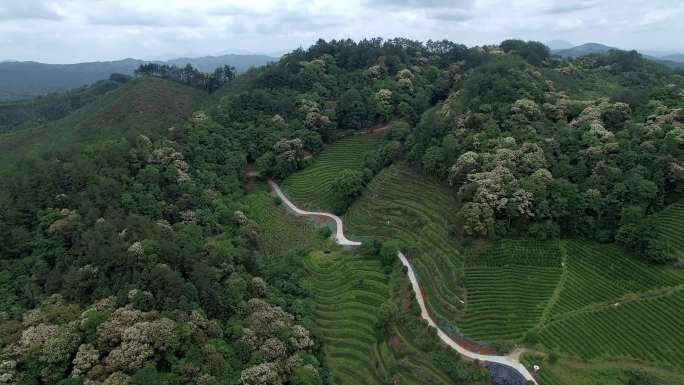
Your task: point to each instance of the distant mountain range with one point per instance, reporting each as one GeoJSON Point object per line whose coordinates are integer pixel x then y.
{"type": "Point", "coordinates": [671, 60]}
{"type": "Point", "coordinates": [20, 80]}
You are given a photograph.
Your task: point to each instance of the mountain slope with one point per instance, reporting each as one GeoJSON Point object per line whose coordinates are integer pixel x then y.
{"type": "Point", "coordinates": [19, 114]}
{"type": "Point", "coordinates": [141, 106]}
{"type": "Point", "coordinates": [20, 80]}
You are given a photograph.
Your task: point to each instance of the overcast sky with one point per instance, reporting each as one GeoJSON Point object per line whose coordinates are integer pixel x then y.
{"type": "Point", "coordinates": [67, 31]}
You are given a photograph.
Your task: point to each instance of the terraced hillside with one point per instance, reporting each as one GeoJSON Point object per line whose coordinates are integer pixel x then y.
{"type": "Point", "coordinates": [348, 292]}
{"type": "Point", "coordinates": [670, 225]}
{"type": "Point", "coordinates": [403, 205]}
{"type": "Point", "coordinates": [509, 285]}
{"type": "Point", "coordinates": [310, 187]}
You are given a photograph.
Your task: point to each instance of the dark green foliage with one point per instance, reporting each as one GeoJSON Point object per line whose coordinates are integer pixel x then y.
{"type": "Point", "coordinates": [637, 377]}
{"type": "Point", "coordinates": [189, 75]}
{"type": "Point", "coordinates": [348, 185]}
{"type": "Point", "coordinates": [639, 234]}
{"type": "Point", "coordinates": [388, 252]}
{"type": "Point", "coordinates": [533, 52]}
{"type": "Point", "coordinates": [351, 110]}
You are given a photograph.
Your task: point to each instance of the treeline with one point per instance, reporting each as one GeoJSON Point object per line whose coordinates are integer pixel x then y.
{"type": "Point", "coordinates": [189, 75]}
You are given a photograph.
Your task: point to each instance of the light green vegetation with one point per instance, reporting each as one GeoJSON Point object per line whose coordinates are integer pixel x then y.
{"type": "Point", "coordinates": [279, 232]}
{"type": "Point", "coordinates": [403, 205]}
{"type": "Point", "coordinates": [670, 226]}
{"type": "Point", "coordinates": [509, 285]}
{"type": "Point", "coordinates": [348, 291]}
{"type": "Point", "coordinates": [569, 371]}
{"type": "Point", "coordinates": [562, 293]}
{"type": "Point", "coordinates": [614, 306]}
{"type": "Point", "coordinates": [311, 187]}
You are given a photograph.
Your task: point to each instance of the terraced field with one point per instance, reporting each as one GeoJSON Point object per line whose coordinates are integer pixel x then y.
{"type": "Point", "coordinates": [279, 233]}
{"type": "Point", "coordinates": [403, 205]}
{"type": "Point", "coordinates": [568, 371]}
{"type": "Point", "coordinates": [310, 187]}
{"type": "Point", "coordinates": [600, 273]}
{"type": "Point", "coordinates": [509, 285]}
{"type": "Point", "coordinates": [612, 305]}
{"type": "Point", "coordinates": [348, 291]}
{"type": "Point", "coordinates": [670, 225]}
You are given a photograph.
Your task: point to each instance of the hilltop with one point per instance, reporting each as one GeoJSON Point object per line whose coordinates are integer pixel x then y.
{"type": "Point", "coordinates": [583, 50]}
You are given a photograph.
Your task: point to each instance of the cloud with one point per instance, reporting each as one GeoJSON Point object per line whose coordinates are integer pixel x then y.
{"type": "Point", "coordinates": [569, 7]}
{"type": "Point", "coordinates": [451, 15]}
{"type": "Point", "coordinates": [76, 30]}
{"type": "Point", "coordinates": [419, 4]}
{"type": "Point", "coordinates": [29, 9]}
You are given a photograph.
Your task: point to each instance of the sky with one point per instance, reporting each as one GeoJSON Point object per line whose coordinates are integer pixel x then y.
{"type": "Point", "coordinates": [69, 31]}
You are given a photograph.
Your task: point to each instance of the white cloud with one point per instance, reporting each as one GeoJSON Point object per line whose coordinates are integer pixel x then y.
{"type": "Point", "coordinates": [76, 30]}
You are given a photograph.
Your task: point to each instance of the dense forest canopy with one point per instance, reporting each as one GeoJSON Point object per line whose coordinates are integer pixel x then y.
{"type": "Point", "coordinates": [131, 260]}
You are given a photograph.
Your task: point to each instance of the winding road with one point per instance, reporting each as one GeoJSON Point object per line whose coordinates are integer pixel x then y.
{"type": "Point", "coordinates": [512, 360]}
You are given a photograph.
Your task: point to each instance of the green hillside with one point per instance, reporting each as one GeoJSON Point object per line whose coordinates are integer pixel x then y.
{"type": "Point", "coordinates": [147, 106]}
{"type": "Point", "coordinates": [403, 205]}
{"type": "Point", "coordinates": [347, 290]}
{"type": "Point", "coordinates": [311, 187]}
{"type": "Point", "coordinates": [529, 191]}
{"type": "Point", "coordinates": [20, 114]}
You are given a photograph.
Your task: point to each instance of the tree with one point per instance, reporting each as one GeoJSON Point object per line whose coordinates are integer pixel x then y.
{"type": "Point", "coordinates": [352, 112]}
{"type": "Point", "coordinates": [389, 251]}
{"type": "Point", "coordinates": [638, 233]}
{"type": "Point", "coordinates": [348, 185]}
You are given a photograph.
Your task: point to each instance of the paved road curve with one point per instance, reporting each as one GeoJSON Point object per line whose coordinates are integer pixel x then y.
{"type": "Point", "coordinates": [511, 360]}
{"type": "Point", "coordinates": [339, 226]}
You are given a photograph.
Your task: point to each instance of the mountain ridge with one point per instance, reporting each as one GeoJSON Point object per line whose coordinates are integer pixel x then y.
{"type": "Point", "coordinates": [27, 79]}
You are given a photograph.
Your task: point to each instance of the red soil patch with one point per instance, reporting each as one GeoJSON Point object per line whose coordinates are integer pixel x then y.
{"type": "Point", "coordinates": [250, 168]}
{"type": "Point", "coordinates": [394, 343]}
{"type": "Point", "coordinates": [382, 127]}
{"type": "Point", "coordinates": [405, 302]}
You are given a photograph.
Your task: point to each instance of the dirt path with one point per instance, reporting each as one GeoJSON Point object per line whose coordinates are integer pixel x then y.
{"type": "Point", "coordinates": [512, 360]}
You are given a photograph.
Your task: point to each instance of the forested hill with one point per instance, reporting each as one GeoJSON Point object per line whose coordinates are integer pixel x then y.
{"type": "Point", "coordinates": [129, 247]}
{"type": "Point", "coordinates": [20, 80]}
{"type": "Point", "coordinates": [148, 106]}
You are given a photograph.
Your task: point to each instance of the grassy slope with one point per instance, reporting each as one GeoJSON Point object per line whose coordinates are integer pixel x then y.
{"type": "Point", "coordinates": [141, 106]}
{"type": "Point", "coordinates": [20, 114]}
{"type": "Point", "coordinates": [311, 186]}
